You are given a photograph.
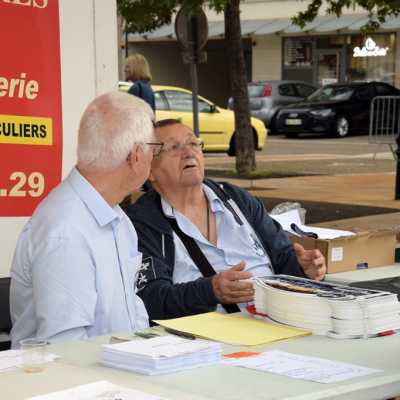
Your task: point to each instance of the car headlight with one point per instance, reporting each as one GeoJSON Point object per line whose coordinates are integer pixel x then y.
{"type": "Point", "coordinates": [322, 113]}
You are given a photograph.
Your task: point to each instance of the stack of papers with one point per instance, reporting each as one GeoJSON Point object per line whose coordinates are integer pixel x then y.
{"type": "Point", "coordinates": [327, 309]}
{"type": "Point", "coordinates": [161, 355]}
{"type": "Point", "coordinates": [101, 390]}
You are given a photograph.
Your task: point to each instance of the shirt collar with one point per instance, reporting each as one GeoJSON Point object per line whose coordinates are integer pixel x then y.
{"type": "Point", "coordinates": [98, 207]}
{"type": "Point", "coordinates": [215, 202]}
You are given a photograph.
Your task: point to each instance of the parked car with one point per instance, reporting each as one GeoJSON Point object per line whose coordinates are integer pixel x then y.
{"type": "Point", "coordinates": [216, 124]}
{"type": "Point", "coordinates": [335, 109]}
{"type": "Point", "coordinates": [267, 97]}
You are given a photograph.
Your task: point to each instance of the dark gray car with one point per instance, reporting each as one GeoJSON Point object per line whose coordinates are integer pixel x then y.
{"type": "Point", "coordinates": [266, 98]}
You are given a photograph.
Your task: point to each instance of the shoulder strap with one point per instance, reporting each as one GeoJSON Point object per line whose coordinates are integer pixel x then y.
{"type": "Point", "coordinates": [199, 259]}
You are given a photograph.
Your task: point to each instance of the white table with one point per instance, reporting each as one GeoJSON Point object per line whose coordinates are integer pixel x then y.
{"type": "Point", "coordinates": [80, 364]}
{"type": "Point", "coordinates": [368, 274]}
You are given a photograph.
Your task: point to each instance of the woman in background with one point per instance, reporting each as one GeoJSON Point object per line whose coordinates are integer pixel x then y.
{"type": "Point", "coordinates": [137, 70]}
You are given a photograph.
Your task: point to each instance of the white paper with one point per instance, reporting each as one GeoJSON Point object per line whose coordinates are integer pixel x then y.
{"type": "Point", "coordinates": [302, 367]}
{"type": "Point", "coordinates": [287, 218]}
{"type": "Point", "coordinates": [11, 359]}
{"type": "Point", "coordinates": [293, 217]}
{"type": "Point", "coordinates": [162, 346]}
{"type": "Point", "coordinates": [102, 390]}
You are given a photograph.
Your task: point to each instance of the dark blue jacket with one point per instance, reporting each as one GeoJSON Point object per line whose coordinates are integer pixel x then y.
{"type": "Point", "coordinates": [142, 89]}
{"type": "Point", "coordinates": [164, 299]}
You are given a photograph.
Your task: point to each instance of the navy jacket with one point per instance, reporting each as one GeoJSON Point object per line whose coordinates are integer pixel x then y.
{"type": "Point", "coordinates": [162, 298]}
{"type": "Point", "coordinates": [142, 89]}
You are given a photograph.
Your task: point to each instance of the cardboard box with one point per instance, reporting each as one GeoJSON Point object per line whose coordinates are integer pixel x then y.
{"type": "Point", "coordinates": [363, 250]}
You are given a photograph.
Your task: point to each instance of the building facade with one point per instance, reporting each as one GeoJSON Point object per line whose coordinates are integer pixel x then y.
{"type": "Point", "coordinates": [327, 50]}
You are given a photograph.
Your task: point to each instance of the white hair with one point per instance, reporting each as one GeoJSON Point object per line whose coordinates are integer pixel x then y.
{"type": "Point", "coordinates": [110, 126]}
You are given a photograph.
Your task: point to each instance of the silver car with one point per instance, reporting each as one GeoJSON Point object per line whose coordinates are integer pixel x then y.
{"type": "Point", "coordinates": [266, 98]}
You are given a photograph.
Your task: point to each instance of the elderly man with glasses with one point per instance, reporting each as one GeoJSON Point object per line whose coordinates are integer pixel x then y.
{"type": "Point", "coordinates": [74, 268]}
{"type": "Point", "coordinates": [201, 241]}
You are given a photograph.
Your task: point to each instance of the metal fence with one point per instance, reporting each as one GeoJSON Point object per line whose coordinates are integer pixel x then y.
{"type": "Point", "coordinates": [384, 126]}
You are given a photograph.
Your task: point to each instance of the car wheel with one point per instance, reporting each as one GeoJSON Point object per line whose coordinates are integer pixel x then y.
{"type": "Point", "coordinates": [342, 126]}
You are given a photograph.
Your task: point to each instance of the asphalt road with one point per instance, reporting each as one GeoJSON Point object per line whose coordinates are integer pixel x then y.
{"type": "Point", "coordinates": [311, 155]}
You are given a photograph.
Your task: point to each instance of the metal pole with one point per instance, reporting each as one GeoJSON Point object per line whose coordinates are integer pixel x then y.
{"type": "Point", "coordinates": [397, 190]}
{"type": "Point", "coordinates": [195, 100]}
{"type": "Point", "coordinates": [193, 26]}
{"type": "Point", "coordinates": [126, 45]}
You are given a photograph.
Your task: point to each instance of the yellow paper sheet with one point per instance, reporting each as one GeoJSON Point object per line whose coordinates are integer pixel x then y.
{"type": "Point", "coordinates": [232, 328]}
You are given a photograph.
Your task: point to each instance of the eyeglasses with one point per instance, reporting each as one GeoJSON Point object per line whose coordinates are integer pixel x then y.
{"type": "Point", "coordinates": [175, 149]}
{"type": "Point", "coordinates": [156, 146]}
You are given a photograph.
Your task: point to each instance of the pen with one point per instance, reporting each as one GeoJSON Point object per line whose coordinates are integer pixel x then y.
{"type": "Point", "coordinates": [146, 335]}
{"type": "Point", "coordinates": [180, 333]}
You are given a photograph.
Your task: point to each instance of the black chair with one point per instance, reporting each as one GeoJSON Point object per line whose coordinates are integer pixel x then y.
{"type": "Point", "coordinates": [5, 318]}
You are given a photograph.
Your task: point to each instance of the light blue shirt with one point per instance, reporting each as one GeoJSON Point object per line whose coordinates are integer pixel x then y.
{"type": "Point", "coordinates": [235, 243]}
{"type": "Point", "coordinates": [74, 268]}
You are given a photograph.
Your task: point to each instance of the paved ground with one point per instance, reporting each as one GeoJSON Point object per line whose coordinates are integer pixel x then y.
{"type": "Point", "coordinates": [334, 178]}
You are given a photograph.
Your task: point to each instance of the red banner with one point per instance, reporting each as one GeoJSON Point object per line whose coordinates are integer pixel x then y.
{"type": "Point", "coordinates": [30, 104]}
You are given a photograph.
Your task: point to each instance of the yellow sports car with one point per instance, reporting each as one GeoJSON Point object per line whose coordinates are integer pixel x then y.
{"type": "Point", "coordinates": [217, 125]}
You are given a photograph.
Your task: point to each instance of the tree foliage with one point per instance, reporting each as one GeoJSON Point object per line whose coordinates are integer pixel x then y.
{"type": "Point", "coordinates": [378, 10]}
{"type": "Point", "coordinates": [146, 15]}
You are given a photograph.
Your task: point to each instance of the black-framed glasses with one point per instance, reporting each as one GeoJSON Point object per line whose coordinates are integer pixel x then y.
{"type": "Point", "coordinates": [156, 146]}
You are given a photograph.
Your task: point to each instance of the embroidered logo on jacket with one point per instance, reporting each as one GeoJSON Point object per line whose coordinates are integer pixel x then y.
{"type": "Point", "coordinates": [144, 273]}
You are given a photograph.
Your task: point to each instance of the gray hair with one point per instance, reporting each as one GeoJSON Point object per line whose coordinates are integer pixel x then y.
{"type": "Point", "coordinates": [111, 124]}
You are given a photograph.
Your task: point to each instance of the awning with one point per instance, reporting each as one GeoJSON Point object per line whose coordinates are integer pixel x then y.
{"type": "Point", "coordinates": [391, 23]}
{"type": "Point", "coordinates": [216, 28]}
{"type": "Point", "coordinates": [273, 26]}
{"type": "Point", "coordinates": [337, 24]}
{"type": "Point", "coordinates": [292, 28]}
{"type": "Point", "coordinates": [261, 27]}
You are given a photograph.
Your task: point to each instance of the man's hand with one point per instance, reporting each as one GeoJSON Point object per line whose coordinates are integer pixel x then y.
{"type": "Point", "coordinates": [228, 287]}
{"type": "Point", "coordinates": [312, 262]}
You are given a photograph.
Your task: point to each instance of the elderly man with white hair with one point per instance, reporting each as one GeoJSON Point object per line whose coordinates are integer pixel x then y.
{"type": "Point", "coordinates": [74, 268]}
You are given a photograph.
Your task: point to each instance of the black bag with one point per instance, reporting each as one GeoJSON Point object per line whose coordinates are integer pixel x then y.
{"type": "Point", "coordinates": [385, 284]}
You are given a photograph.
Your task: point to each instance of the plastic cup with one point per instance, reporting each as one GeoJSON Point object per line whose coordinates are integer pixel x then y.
{"type": "Point", "coordinates": [33, 354]}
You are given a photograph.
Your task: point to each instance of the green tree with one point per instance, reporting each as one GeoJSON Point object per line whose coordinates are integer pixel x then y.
{"type": "Point", "coordinates": [147, 15]}
{"type": "Point", "coordinates": [378, 10]}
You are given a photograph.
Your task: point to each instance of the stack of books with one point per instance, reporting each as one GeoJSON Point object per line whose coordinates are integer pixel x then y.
{"type": "Point", "coordinates": [161, 355]}
{"type": "Point", "coordinates": [327, 309]}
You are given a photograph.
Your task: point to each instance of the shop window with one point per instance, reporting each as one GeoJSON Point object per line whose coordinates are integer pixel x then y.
{"type": "Point", "coordinates": [371, 58]}
{"type": "Point", "coordinates": [298, 52]}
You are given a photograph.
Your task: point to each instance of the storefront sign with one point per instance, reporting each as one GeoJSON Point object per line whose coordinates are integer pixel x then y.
{"type": "Point", "coordinates": [370, 49]}
{"type": "Point", "coordinates": [30, 104]}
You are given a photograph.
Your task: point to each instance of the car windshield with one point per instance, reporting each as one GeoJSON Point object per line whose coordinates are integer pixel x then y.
{"type": "Point", "coordinates": [332, 93]}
